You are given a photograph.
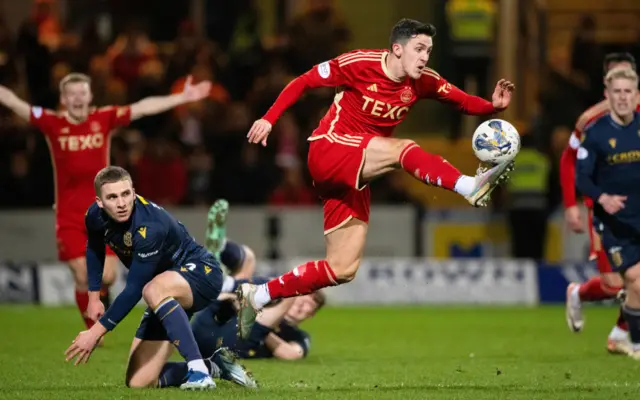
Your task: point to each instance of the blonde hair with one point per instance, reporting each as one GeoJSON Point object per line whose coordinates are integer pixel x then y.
{"type": "Point", "coordinates": [74, 77]}
{"type": "Point", "coordinates": [620, 73]}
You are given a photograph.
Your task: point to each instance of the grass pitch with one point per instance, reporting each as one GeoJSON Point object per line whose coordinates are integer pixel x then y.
{"type": "Point", "coordinates": [356, 353]}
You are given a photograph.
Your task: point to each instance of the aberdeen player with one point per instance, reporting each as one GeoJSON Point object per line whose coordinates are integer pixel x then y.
{"type": "Point", "coordinates": [352, 146]}
{"type": "Point", "coordinates": [608, 283]}
{"type": "Point", "coordinates": [78, 139]}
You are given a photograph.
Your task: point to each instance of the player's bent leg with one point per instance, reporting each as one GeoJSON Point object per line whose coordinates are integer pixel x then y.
{"type": "Point", "coordinates": [386, 154]}
{"type": "Point", "coordinates": [146, 360]}
{"type": "Point", "coordinates": [168, 295]}
{"type": "Point", "coordinates": [344, 252]}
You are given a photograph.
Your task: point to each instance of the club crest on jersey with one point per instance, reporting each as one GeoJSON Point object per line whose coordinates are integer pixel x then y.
{"type": "Point", "coordinates": [95, 126]}
{"type": "Point", "coordinates": [612, 143]}
{"type": "Point", "coordinates": [406, 96]}
{"type": "Point", "coordinates": [126, 238]}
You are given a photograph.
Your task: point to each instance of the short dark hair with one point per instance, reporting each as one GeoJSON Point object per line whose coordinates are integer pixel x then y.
{"type": "Point", "coordinates": [109, 174]}
{"type": "Point", "coordinates": [618, 58]}
{"type": "Point", "coordinates": [406, 28]}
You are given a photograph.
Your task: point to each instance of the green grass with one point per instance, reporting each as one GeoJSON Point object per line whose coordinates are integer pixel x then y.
{"type": "Point", "coordinates": [376, 353]}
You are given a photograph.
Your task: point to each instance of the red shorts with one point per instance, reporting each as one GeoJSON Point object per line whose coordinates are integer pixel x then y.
{"type": "Point", "coordinates": [72, 243]}
{"type": "Point", "coordinates": [335, 163]}
{"type": "Point", "coordinates": [596, 251]}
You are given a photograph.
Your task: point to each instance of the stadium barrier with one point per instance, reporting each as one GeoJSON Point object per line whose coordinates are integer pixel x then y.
{"type": "Point", "coordinates": [275, 233]}
{"type": "Point", "coordinates": [380, 281]}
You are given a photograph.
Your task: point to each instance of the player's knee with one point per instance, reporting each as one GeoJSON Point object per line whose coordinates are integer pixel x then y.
{"type": "Point", "coordinates": [78, 269]}
{"type": "Point", "coordinates": [248, 267]}
{"type": "Point", "coordinates": [344, 271]}
{"type": "Point", "coordinates": [152, 294]}
{"type": "Point", "coordinates": [397, 147]}
{"type": "Point", "coordinates": [138, 382]}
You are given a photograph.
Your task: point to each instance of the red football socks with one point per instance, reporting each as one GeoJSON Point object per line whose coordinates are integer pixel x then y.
{"type": "Point", "coordinates": [304, 279]}
{"type": "Point", "coordinates": [429, 168]}
{"type": "Point", "coordinates": [82, 300]}
{"type": "Point", "coordinates": [595, 290]}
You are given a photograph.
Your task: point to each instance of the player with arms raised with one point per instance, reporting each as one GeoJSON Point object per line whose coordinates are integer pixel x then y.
{"type": "Point", "coordinates": [78, 139]}
{"type": "Point", "coordinates": [352, 146]}
{"type": "Point", "coordinates": [175, 275]}
{"type": "Point", "coordinates": [608, 283]}
{"type": "Point", "coordinates": [608, 171]}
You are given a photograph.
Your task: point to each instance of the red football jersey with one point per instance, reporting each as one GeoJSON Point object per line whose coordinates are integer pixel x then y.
{"type": "Point", "coordinates": [369, 99]}
{"type": "Point", "coordinates": [78, 152]}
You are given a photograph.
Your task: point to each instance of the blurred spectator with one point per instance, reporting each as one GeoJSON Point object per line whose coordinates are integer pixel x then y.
{"type": "Point", "coordinates": [162, 173]}
{"type": "Point", "coordinates": [586, 57]}
{"type": "Point", "coordinates": [472, 31]}
{"type": "Point", "coordinates": [245, 50]}
{"type": "Point", "coordinates": [37, 61]}
{"type": "Point", "coordinates": [106, 88]}
{"type": "Point", "coordinates": [248, 180]}
{"type": "Point", "coordinates": [317, 35]}
{"type": "Point", "coordinates": [293, 191]}
{"type": "Point", "coordinates": [48, 24]}
{"type": "Point", "coordinates": [201, 165]}
{"type": "Point", "coordinates": [51, 97]}
{"type": "Point", "coordinates": [8, 68]}
{"type": "Point", "coordinates": [129, 52]}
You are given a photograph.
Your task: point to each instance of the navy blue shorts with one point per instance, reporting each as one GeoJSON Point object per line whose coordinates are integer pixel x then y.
{"type": "Point", "coordinates": [205, 279]}
{"type": "Point", "coordinates": [623, 251]}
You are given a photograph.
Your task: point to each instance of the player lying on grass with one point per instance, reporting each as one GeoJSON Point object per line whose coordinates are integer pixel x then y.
{"type": "Point", "coordinates": [174, 275]}
{"type": "Point", "coordinates": [353, 146]}
{"type": "Point", "coordinates": [608, 171]}
{"type": "Point", "coordinates": [276, 333]}
{"type": "Point", "coordinates": [608, 284]}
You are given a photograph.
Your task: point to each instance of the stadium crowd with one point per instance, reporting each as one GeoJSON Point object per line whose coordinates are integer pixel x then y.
{"type": "Point", "coordinates": [201, 148]}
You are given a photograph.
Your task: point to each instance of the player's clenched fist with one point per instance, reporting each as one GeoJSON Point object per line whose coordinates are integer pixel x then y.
{"type": "Point", "coordinates": [259, 132]}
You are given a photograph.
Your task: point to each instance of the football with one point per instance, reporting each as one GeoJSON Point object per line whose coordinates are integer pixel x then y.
{"type": "Point", "coordinates": [496, 141]}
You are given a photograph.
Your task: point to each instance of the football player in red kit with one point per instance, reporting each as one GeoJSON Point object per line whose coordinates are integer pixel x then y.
{"type": "Point", "coordinates": [353, 145]}
{"type": "Point", "coordinates": [79, 139]}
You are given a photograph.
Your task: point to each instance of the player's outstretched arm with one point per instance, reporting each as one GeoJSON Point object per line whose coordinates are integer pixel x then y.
{"type": "Point", "coordinates": [10, 100]}
{"type": "Point", "coordinates": [158, 104]}
{"type": "Point", "coordinates": [432, 85]}
{"type": "Point", "coordinates": [327, 74]}
{"type": "Point", "coordinates": [84, 344]}
{"type": "Point", "coordinates": [140, 273]}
